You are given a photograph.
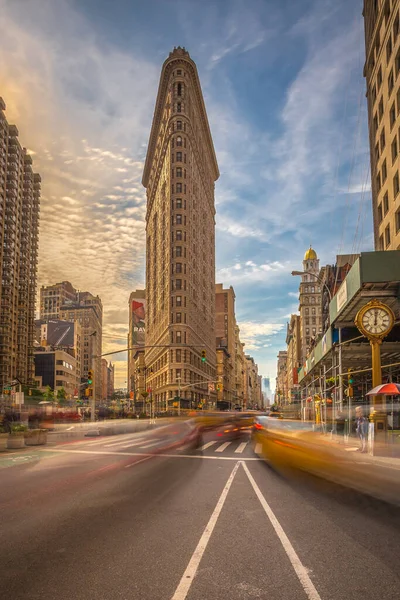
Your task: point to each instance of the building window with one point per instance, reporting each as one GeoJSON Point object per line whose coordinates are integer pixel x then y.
{"type": "Point", "coordinates": [377, 152]}
{"type": "Point", "coordinates": [397, 220]}
{"type": "Point", "coordinates": [179, 107]}
{"type": "Point", "coordinates": [394, 149]}
{"type": "Point", "coordinates": [178, 174]}
{"type": "Point", "coordinates": [179, 86]}
{"type": "Point", "coordinates": [178, 268]}
{"type": "Point", "coordinates": [179, 317]}
{"type": "Point", "coordinates": [178, 301]}
{"type": "Point", "coordinates": [390, 82]}
{"type": "Point", "coordinates": [379, 78]}
{"type": "Point", "coordinates": [392, 115]}
{"type": "Point", "coordinates": [396, 185]}
{"type": "Point", "coordinates": [381, 246]}
{"type": "Point", "coordinates": [385, 204]}
{"type": "Point", "coordinates": [380, 214]}
{"type": "Point", "coordinates": [383, 139]}
{"type": "Point", "coordinates": [179, 157]}
{"type": "Point", "coordinates": [178, 251]}
{"type": "Point", "coordinates": [384, 171]}
{"type": "Point", "coordinates": [179, 219]}
{"type": "Point", "coordinates": [179, 203]}
{"type": "Point", "coordinates": [376, 124]}
{"type": "Point", "coordinates": [387, 236]}
{"type": "Point", "coordinates": [179, 188]}
{"type": "Point", "coordinates": [179, 72]}
{"type": "Point", "coordinates": [389, 49]}
{"type": "Point", "coordinates": [178, 337]}
{"type": "Point", "coordinates": [179, 235]}
{"type": "Point", "coordinates": [378, 182]}
{"type": "Point", "coordinates": [179, 125]}
{"type": "Point", "coordinates": [179, 141]}
{"type": "Point", "coordinates": [178, 284]}
{"type": "Point", "coordinates": [306, 311]}
{"type": "Point", "coordinates": [380, 109]}
{"type": "Point", "coordinates": [179, 356]}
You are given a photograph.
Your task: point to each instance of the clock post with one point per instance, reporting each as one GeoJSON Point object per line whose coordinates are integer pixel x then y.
{"type": "Point", "coordinates": [375, 320]}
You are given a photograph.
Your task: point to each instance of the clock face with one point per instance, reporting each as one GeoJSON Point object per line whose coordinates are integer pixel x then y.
{"type": "Point", "coordinates": [376, 320]}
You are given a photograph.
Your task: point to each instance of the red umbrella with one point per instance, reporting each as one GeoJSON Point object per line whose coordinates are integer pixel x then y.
{"type": "Point", "coordinates": [386, 389]}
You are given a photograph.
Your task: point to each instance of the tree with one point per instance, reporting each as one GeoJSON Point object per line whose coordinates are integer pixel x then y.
{"type": "Point", "coordinates": [61, 396]}
{"type": "Point", "coordinates": [48, 394]}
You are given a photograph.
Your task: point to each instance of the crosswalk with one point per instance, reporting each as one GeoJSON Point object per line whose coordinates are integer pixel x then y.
{"type": "Point", "coordinates": [143, 442]}
{"type": "Point", "coordinates": [238, 450]}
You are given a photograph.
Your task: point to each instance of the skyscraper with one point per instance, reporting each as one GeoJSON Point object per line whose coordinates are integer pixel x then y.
{"type": "Point", "coordinates": [63, 301]}
{"type": "Point", "coordinates": [19, 231]}
{"type": "Point", "coordinates": [381, 70]}
{"type": "Point", "coordinates": [310, 301]}
{"type": "Point", "coordinates": [179, 177]}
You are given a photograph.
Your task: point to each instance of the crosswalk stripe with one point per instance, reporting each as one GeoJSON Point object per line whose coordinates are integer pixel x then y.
{"type": "Point", "coordinates": [124, 441]}
{"type": "Point", "coordinates": [258, 449]}
{"type": "Point", "coordinates": [132, 444]}
{"type": "Point", "coordinates": [150, 445]}
{"type": "Point", "coordinates": [207, 445]}
{"type": "Point", "coordinates": [241, 447]}
{"type": "Point", "coordinates": [223, 446]}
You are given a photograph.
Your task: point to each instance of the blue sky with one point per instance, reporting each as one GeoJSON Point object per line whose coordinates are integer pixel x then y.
{"type": "Point", "coordinates": [283, 86]}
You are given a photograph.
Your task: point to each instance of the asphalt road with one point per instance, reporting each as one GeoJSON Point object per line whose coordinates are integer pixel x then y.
{"type": "Point", "coordinates": [105, 519]}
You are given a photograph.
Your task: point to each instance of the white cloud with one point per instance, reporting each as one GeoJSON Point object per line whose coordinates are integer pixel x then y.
{"type": "Point", "coordinates": [250, 272]}
{"type": "Point", "coordinates": [254, 335]}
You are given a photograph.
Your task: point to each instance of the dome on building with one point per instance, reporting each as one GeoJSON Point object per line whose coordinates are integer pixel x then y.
{"type": "Point", "coordinates": [310, 254]}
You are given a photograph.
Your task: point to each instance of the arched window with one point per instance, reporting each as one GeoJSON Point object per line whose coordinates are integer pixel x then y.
{"type": "Point", "coordinates": [306, 300]}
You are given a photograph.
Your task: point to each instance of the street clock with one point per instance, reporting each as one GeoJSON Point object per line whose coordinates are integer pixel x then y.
{"type": "Point", "coordinates": [375, 320]}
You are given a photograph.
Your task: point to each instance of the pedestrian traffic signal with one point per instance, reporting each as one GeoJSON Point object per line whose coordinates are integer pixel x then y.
{"type": "Point", "coordinates": [90, 377]}
{"type": "Point", "coordinates": [203, 356]}
{"type": "Point", "coordinates": [350, 377]}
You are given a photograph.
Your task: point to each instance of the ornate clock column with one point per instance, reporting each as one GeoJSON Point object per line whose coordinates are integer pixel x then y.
{"type": "Point", "coordinates": [375, 320]}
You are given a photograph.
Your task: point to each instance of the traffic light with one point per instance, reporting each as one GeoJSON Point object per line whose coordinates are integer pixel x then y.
{"type": "Point", "coordinates": [203, 356]}
{"type": "Point", "coordinates": [350, 381]}
{"type": "Point", "coordinates": [90, 377]}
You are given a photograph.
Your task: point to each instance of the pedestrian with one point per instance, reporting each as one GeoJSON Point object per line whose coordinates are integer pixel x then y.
{"type": "Point", "coordinates": [361, 428]}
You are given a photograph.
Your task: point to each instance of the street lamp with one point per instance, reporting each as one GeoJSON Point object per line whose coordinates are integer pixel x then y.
{"type": "Point", "coordinates": [296, 273]}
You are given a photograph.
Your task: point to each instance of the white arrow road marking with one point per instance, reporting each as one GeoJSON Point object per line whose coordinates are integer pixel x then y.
{"type": "Point", "coordinates": [182, 590]}
{"type": "Point", "coordinates": [300, 569]}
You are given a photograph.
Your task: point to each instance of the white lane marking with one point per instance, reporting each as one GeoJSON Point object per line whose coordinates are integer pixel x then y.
{"type": "Point", "coordinates": [183, 588]}
{"type": "Point", "coordinates": [208, 445]}
{"type": "Point", "coordinates": [70, 428]}
{"type": "Point", "coordinates": [138, 462]}
{"type": "Point", "coordinates": [125, 445]}
{"type": "Point", "coordinates": [297, 565]}
{"type": "Point", "coordinates": [223, 446]}
{"type": "Point", "coordinates": [258, 449]}
{"type": "Point", "coordinates": [165, 455]}
{"type": "Point", "coordinates": [241, 447]}
{"type": "Point", "coordinates": [124, 441]}
{"type": "Point", "coordinates": [152, 444]}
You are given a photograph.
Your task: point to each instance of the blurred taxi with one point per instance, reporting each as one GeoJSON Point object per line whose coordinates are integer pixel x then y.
{"type": "Point", "coordinates": [290, 444]}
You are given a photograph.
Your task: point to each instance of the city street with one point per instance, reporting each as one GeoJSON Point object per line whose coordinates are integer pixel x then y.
{"type": "Point", "coordinates": [104, 518]}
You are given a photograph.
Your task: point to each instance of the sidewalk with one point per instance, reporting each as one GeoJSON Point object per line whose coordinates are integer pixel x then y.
{"type": "Point", "coordinates": [384, 454]}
